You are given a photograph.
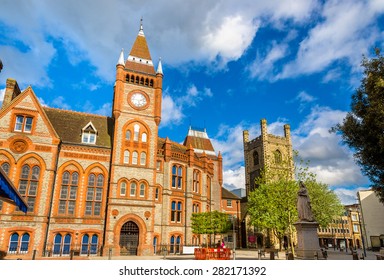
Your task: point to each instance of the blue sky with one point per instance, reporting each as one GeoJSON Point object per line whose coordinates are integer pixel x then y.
{"type": "Point", "coordinates": [227, 65]}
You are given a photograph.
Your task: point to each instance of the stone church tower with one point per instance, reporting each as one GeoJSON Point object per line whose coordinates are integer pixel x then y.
{"type": "Point", "coordinates": [266, 151]}
{"type": "Point", "coordinates": [270, 152]}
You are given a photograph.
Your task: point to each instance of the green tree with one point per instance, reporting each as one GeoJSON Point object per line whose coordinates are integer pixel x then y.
{"type": "Point", "coordinates": [213, 222]}
{"type": "Point", "coordinates": [362, 129]}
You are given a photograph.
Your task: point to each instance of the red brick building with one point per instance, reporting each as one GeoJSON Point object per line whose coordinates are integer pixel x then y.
{"type": "Point", "coordinates": [103, 185]}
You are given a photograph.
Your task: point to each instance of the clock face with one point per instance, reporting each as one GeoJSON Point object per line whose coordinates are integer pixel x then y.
{"type": "Point", "coordinates": [138, 99]}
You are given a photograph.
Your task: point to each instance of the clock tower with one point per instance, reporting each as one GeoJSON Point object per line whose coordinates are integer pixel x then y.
{"type": "Point", "coordinates": [137, 114]}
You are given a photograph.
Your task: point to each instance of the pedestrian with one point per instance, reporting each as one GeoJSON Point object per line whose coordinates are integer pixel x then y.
{"type": "Point", "coordinates": [222, 244]}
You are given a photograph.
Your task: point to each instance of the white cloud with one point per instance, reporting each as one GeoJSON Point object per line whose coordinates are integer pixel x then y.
{"type": "Point", "coordinates": [341, 36]}
{"type": "Point", "coordinates": [205, 32]}
{"type": "Point", "coordinates": [171, 113]}
{"type": "Point", "coordinates": [332, 162]}
{"type": "Point", "coordinates": [193, 96]}
{"type": "Point", "coordinates": [234, 178]}
{"type": "Point", "coordinates": [59, 102]}
{"type": "Point", "coordinates": [263, 67]}
{"type": "Point", "coordinates": [2, 92]}
{"type": "Point", "coordinates": [231, 38]}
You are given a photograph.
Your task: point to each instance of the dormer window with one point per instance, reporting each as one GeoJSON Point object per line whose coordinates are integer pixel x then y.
{"type": "Point", "coordinates": [88, 134]}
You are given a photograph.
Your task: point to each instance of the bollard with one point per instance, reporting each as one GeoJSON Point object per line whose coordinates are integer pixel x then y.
{"type": "Point", "coordinates": [272, 255]}
{"type": "Point", "coordinates": [34, 254]}
{"type": "Point", "coordinates": [110, 253]}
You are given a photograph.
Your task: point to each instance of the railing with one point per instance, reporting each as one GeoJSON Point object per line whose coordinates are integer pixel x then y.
{"type": "Point", "coordinates": [70, 251]}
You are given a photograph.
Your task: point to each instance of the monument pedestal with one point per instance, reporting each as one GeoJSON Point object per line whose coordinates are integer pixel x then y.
{"type": "Point", "coordinates": [307, 240]}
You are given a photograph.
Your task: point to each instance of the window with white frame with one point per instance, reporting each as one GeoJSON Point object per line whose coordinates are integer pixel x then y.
{"type": "Point", "coordinates": [229, 203]}
{"type": "Point", "coordinates": [18, 244]}
{"type": "Point", "coordinates": [123, 188]}
{"type": "Point", "coordinates": [23, 124]}
{"type": "Point", "coordinates": [89, 133]}
{"type": "Point", "coordinates": [94, 194]}
{"type": "Point", "coordinates": [133, 189]}
{"type": "Point", "coordinates": [142, 190]}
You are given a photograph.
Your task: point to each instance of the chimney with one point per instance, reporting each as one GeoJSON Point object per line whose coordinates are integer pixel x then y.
{"type": "Point", "coordinates": [11, 91]}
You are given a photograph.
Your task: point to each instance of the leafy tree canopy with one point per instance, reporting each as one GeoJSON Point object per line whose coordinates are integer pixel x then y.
{"type": "Point", "coordinates": [363, 127]}
{"type": "Point", "coordinates": [213, 222]}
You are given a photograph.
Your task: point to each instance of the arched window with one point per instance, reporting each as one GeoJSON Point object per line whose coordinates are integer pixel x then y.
{"type": "Point", "coordinates": [136, 130]}
{"type": "Point", "coordinates": [89, 245]}
{"type": "Point", "coordinates": [155, 245]}
{"type": "Point", "coordinates": [84, 244]}
{"type": "Point", "coordinates": [18, 245]}
{"type": "Point", "coordinates": [174, 247]}
{"type": "Point", "coordinates": [143, 158]}
{"type": "Point", "coordinates": [94, 244]}
{"type": "Point", "coordinates": [28, 184]}
{"type": "Point", "coordinates": [176, 210]}
{"type": "Point", "coordinates": [137, 79]}
{"type": "Point", "coordinates": [24, 243]}
{"type": "Point", "coordinates": [196, 181]}
{"type": "Point", "coordinates": [177, 177]}
{"type": "Point", "coordinates": [6, 167]}
{"type": "Point", "coordinates": [128, 135]}
{"type": "Point", "coordinates": [57, 244]}
{"type": "Point", "coordinates": [132, 79]}
{"type": "Point", "coordinates": [142, 190]}
{"type": "Point", "coordinates": [13, 243]}
{"type": "Point", "coordinates": [127, 78]}
{"type": "Point", "coordinates": [151, 83]}
{"type": "Point", "coordinates": [146, 81]}
{"type": "Point", "coordinates": [142, 81]}
{"type": "Point", "coordinates": [133, 189]}
{"type": "Point", "coordinates": [94, 195]}
{"type": "Point", "coordinates": [177, 249]}
{"type": "Point", "coordinates": [255, 158]}
{"type": "Point", "coordinates": [278, 157]}
{"type": "Point", "coordinates": [157, 193]}
{"type": "Point", "coordinates": [68, 193]}
{"type": "Point", "coordinates": [144, 137]}
{"type": "Point", "coordinates": [62, 246]}
{"type": "Point", "coordinates": [134, 157]}
{"type": "Point", "coordinates": [126, 156]}
{"type": "Point", "coordinates": [123, 188]}
{"type": "Point", "coordinates": [67, 244]}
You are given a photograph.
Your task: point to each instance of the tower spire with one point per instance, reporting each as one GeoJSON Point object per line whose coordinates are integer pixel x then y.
{"type": "Point", "coordinates": [139, 59]}
{"type": "Point", "coordinates": [121, 58]}
{"type": "Point", "coordinates": [159, 67]}
{"type": "Point", "coordinates": [141, 31]}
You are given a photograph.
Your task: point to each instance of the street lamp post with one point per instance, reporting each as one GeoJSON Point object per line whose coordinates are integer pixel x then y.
{"type": "Point", "coordinates": [361, 233]}
{"type": "Point", "coordinates": [234, 236]}
{"type": "Point", "coordinates": [361, 230]}
{"type": "Point", "coordinates": [345, 240]}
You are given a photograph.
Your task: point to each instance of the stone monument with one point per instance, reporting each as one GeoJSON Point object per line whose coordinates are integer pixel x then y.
{"type": "Point", "coordinates": [307, 238]}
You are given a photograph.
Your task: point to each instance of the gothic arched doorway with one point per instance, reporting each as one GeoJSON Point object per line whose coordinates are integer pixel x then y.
{"type": "Point", "coordinates": [129, 239]}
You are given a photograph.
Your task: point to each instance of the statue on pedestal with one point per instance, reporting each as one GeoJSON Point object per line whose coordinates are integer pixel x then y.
{"type": "Point", "coordinates": [304, 204]}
